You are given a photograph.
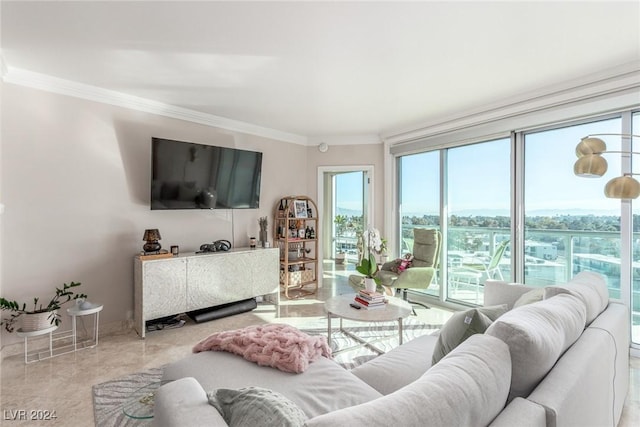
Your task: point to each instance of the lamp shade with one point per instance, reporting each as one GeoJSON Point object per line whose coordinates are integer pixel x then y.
{"type": "Point", "coordinates": [590, 145]}
{"type": "Point", "coordinates": [622, 187]}
{"type": "Point", "coordinates": [590, 166]}
{"type": "Point", "coordinates": [151, 235]}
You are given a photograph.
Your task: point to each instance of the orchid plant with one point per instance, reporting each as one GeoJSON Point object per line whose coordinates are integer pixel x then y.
{"type": "Point", "coordinates": [372, 244]}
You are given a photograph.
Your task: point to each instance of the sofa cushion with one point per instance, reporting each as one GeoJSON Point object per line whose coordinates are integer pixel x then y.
{"type": "Point", "coordinates": [324, 387]}
{"type": "Point", "coordinates": [521, 413]}
{"type": "Point", "coordinates": [530, 297]}
{"type": "Point", "coordinates": [183, 402]}
{"type": "Point", "coordinates": [467, 387]}
{"type": "Point", "coordinates": [590, 287]}
{"type": "Point", "coordinates": [461, 325]}
{"type": "Point", "coordinates": [401, 366]}
{"type": "Point", "coordinates": [501, 292]}
{"type": "Point", "coordinates": [256, 406]}
{"type": "Point", "coordinates": [537, 334]}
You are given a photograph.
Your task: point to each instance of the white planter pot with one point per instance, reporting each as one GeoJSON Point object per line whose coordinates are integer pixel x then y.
{"type": "Point", "coordinates": [37, 321]}
{"type": "Point", "coordinates": [369, 284]}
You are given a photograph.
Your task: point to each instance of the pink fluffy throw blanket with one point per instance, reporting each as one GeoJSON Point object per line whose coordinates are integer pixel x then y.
{"type": "Point", "coordinates": [276, 345]}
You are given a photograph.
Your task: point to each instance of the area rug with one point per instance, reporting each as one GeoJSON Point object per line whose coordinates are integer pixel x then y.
{"type": "Point", "coordinates": [109, 397]}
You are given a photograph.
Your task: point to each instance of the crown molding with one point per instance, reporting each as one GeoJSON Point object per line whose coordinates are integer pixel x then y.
{"type": "Point", "coordinates": [105, 96]}
{"type": "Point", "coordinates": [607, 82]}
{"type": "Point", "coordinates": [360, 139]}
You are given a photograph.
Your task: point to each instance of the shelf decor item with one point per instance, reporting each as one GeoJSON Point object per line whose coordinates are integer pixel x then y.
{"type": "Point", "coordinates": [300, 208]}
{"type": "Point", "coordinates": [263, 223]}
{"type": "Point", "coordinates": [47, 315]}
{"type": "Point", "coordinates": [151, 236]}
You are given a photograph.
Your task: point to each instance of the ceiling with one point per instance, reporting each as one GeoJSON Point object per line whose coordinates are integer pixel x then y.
{"type": "Point", "coordinates": [322, 69]}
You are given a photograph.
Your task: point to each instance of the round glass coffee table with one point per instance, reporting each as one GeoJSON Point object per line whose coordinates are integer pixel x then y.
{"type": "Point", "coordinates": [339, 306]}
{"type": "Point", "coordinates": [140, 403]}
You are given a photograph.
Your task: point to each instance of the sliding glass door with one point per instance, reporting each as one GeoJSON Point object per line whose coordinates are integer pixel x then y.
{"type": "Point", "coordinates": [478, 229]}
{"type": "Point", "coordinates": [635, 266]}
{"type": "Point", "coordinates": [418, 200]}
{"type": "Point", "coordinates": [513, 209]}
{"type": "Point", "coordinates": [346, 210]}
{"type": "Point", "coordinates": [570, 226]}
{"type": "Point", "coordinates": [349, 213]}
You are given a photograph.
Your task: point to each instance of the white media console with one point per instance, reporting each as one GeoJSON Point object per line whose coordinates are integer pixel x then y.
{"type": "Point", "coordinates": [189, 282]}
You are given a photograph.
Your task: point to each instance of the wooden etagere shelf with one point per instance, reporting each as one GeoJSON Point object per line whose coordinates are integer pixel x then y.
{"type": "Point", "coordinates": [296, 231]}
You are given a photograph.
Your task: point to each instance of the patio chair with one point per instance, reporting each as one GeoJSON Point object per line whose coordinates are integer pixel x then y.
{"type": "Point", "coordinates": [474, 269]}
{"type": "Point", "coordinates": [426, 254]}
{"type": "Point", "coordinates": [490, 269]}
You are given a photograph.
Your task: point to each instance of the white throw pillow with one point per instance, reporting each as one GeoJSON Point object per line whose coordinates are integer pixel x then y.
{"type": "Point", "coordinates": [537, 334]}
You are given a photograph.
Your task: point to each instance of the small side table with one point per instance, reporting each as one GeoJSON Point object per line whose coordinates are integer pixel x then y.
{"type": "Point", "coordinates": [140, 403]}
{"type": "Point", "coordinates": [31, 334]}
{"type": "Point", "coordinates": [76, 311]}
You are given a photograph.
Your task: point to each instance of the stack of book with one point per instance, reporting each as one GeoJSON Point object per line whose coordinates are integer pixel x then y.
{"type": "Point", "coordinates": [370, 300]}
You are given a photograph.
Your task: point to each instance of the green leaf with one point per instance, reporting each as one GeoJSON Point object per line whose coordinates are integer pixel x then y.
{"type": "Point", "coordinates": [368, 267]}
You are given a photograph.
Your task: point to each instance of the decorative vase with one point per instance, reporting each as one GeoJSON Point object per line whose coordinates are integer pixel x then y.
{"type": "Point", "coordinates": [263, 238]}
{"type": "Point", "coordinates": [369, 284]}
{"type": "Point", "coordinates": [37, 321]}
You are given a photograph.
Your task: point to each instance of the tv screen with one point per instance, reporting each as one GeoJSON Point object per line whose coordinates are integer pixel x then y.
{"type": "Point", "coordinates": [186, 175]}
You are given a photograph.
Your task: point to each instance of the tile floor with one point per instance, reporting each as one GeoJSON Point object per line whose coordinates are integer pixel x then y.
{"type": "Point", "coordinates": [63, 384]}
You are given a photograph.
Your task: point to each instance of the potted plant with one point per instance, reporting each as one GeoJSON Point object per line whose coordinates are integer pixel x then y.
{"type": "Point", "coordinates": [368, 266]}
{"type": "Point", "coordinates": [49, 312]}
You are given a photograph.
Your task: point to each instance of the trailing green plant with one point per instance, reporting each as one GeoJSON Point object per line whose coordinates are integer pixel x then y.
{"type": "Point", "coordinates": [62, 295]}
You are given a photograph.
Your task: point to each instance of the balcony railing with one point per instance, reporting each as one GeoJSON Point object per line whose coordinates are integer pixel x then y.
{"type": "Point", "coordinates": [551, 257]}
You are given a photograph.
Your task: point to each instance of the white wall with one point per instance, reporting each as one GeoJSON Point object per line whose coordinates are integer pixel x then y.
{"type": "Point", "coordinates": [74, 178]}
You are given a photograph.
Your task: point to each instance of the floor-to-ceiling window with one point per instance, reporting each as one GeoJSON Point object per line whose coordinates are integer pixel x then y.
{"type": "Point", "coordinates": [345, 209]}
{"type": "Point", "coordinates": [570, 226]}
{"type": "Point", "coordinates": [518, 201]}
{"type": "Point", "coordinates": [418, 200]}
{"type": "Point", "coordinates": [635, 267]}
{"type": "Point", "coordinates": [478, 201]}
{"type": "Point", "coordinates": [349, 212]}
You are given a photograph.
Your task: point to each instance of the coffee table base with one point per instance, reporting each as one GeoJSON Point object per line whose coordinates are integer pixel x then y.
{"type": "Point", "coordinates": [363, 343]}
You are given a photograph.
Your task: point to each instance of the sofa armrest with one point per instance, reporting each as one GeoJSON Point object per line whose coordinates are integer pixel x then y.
{"type": "Point", "coordinates": [578, 391]}
{"type": "Point", "coordinates": [522, 413]}
{"type": "Point", "coordinates": [497, 292]}
{"type": "Point", "coordinates": [184, 402]}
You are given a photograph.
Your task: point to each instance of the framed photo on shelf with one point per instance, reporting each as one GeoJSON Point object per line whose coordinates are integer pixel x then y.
{"type": "Point", "coordinates": [300, 207]}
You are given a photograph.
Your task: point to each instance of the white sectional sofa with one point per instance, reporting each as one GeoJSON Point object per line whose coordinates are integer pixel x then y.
{"type": "Point", "coordinates": [560, 361]}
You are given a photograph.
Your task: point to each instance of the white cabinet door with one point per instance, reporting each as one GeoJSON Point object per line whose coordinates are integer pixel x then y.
{"type": "Point", "coordinates": [265, 273]}
{"type": "Point", "coordinates": [165, 287]}
{"type": "Point", "coordinates": [222, 278]}
{"type": "Point", "coordinates": [217, 279]}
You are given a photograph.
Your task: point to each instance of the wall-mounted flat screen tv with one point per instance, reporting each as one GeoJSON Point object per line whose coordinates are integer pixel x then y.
{"type": "Point", "coordinates": [185, 175]}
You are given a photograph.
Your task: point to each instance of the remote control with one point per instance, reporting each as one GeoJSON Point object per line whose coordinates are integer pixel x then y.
{"type": "Point", "coordinates": [356, 306]}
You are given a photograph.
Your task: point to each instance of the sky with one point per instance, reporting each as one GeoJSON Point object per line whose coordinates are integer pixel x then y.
{"type": "Point", "coordinates": [479, 183]}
